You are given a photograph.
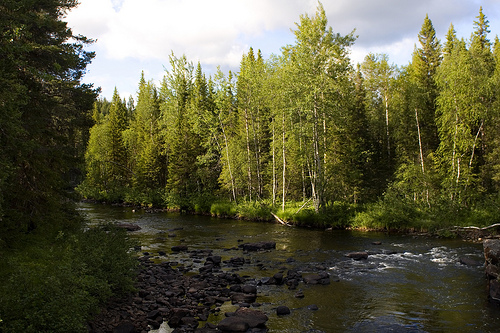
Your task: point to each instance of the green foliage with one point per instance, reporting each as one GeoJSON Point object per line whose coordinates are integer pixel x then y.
{"type": "Point", "coordinates": [251, 210]}
{"type": "Point", "coordinates": [411, 144]}
{"type": "Point", "coordinates": [56, 285]}
{"type": "Point", "coordinates": [223, 209]}
{"type": "Point", "coordinates": [45, 112]}
{"type": "Point", "coordinates": [389, 214]}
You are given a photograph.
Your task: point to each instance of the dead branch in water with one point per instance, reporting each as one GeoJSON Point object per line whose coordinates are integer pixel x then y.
{"type": "Point", "coordinates": [280, 220]}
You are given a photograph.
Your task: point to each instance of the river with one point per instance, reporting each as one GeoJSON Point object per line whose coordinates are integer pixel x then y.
{"type": "Point", "coordinates": [407, 284]}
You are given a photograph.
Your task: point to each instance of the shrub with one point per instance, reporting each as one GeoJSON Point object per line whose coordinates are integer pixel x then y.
{"type": "Point", "coordinates": [254, 211]}
{"type": "Point", "coordinates": [223, 209]}
{"type": "Point", "coordinates": [55, 285]}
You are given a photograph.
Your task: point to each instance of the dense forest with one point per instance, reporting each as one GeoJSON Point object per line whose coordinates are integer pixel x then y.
{"type": "Point", "coordinates": [55, 272]}
{"type": "Point", "coordinates": [303, 135]}
{"type": "Point", "coordinates": [306, 134]}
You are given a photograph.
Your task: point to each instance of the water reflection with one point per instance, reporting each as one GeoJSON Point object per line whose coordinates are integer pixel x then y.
{"type": "Point", "coordinates": [406, 285]}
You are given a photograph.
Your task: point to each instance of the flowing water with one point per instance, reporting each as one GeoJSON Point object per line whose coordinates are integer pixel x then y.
{"type": "Point", "coordinates": [407, 284]}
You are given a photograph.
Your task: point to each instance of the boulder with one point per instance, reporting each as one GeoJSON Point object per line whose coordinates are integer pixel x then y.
{"type": "Point", "coordinates": [357, 255]}
{"type": "Point", "coordinates": [179, 248]}
{"type": "Point", "coordinates": [254, 318]}
{"type": "Point", "coordinates": [259, 246]}
{"type": "Point", "coordinates": [492, 257]}
{"type": "Point", "coordinates": [495, 290]}
{"type": "Point", "coordinates": [492, 271]}
{"type": "Point", "coordinates": [242, 320]}
{"type": "Point", "coordinates": [469, 262]}
{"type": "Point", "coordinates": [232, 324]}
{"type": "Point", "coordinates": [283, 310]}
{"type": "Point", "coordinates": [312, 307]}
{"type": "Point", "coordinates": [322, 278]}
{"type": "Point", "coordinates": [492, 251]}
{"type": "Point", "coordinates": [248, 289]}
{"type": "Point", "coordinates": [215, 260]}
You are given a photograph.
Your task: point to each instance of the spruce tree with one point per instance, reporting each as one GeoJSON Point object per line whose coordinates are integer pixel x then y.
{"type": "Point", "coordinates": [45, 110]}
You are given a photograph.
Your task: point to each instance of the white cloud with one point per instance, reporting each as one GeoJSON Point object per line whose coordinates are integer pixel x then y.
{"type": "Point", "coordinates": [209, 31]}
{"type": "Point", "coordinates": [133, 35]}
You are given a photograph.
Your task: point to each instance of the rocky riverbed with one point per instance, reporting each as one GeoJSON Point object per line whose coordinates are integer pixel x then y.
{"type": "Point", "coordinates": [169, 292]}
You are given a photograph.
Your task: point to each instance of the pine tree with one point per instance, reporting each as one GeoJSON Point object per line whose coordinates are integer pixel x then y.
{"type": "Point", "coordinates": [203, 120]}
{"type": "Point", "coordinates": [451, 39]}
{"type": "Point", "coordinates": [143, 140]}
{"type": "Point", "coordinates": [117, 123]}
{"type": "Point", "coordinates": [418, 135]}
{"type": "Point", "coordinates": [181, 143]}
{"type": "Point", "coordinates": [45, 112]}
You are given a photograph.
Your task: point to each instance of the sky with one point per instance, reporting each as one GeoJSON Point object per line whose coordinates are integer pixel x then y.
{"type": "Point", "coordinates": [139, 35]}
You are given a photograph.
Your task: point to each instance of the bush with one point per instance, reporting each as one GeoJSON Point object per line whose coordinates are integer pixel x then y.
{"type": "Point", "coordinates": [56, 285]}
{"type": "Point", "coordinates": [254, 211]}
{"type": "Point", "coordinates": [391, 214]}
{"type": "Point", "coordinates": [223, 209]}
{"type": "Point", "coordinates": [336, 215]}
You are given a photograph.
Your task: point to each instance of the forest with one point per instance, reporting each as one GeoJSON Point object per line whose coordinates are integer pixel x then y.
{"type": "Point", "coordinates": [55, 272]}
{"type": "Point", "coordinates": [311, 138]}
{"type": "Point", "coordinates": [304, 135]}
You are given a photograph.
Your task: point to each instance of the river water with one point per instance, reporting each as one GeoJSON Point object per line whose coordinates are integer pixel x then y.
{"type": "Point", "coordinates": [407, 284]}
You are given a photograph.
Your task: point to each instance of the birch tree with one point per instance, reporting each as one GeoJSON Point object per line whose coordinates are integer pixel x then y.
{"type": "Point", "coordinates": [318, 63]}
{"type": "Point", "coordinates": [465, 104]}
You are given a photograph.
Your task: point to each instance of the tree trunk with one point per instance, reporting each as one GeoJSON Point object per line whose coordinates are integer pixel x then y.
{"type": "Point", "coordinates": [247, 131]}
{"type": "Point", "coordinates": [420, 143]}
{"type": "Point", "coordinates": [228, 161]}
{"type": "Point", "coordinates": [284, 165]}
{"type": "Point", "coordinates": [274, 163]}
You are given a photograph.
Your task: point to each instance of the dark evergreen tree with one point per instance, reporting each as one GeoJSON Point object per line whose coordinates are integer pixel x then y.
{"type": "Point", "coordinates": [45, 111]}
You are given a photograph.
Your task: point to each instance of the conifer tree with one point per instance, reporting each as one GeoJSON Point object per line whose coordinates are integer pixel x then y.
{"type": "Point", "coordinates": [44, 111]}
{"type": "Point", "coordinates": [418, 136]}
{"type": "Point", "coordinates": [205, 126]}
{"type": "Point", "coordinates": [117, 123]}
{"type": "Point", "coordinates": [181, 143]}
{"type": "Point", "coordinates": [143, 140]}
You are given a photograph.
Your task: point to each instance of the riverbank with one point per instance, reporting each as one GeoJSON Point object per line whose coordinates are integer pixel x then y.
{"type": "Point", "coordinates": [341, 218]}
{"type": "Point", "coordinates": [447, 221]}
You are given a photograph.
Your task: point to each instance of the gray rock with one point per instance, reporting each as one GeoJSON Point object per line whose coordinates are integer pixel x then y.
{"type": "Point", "coordinates": [283, 310]}
{"type": "Point", "coordinates": [470, 262]}
{"type": "Point", "coordinates": [232, 324]}
{"type": "Point", "coordinates": [179, 248]}
{"type": "Point", "coordinates": [492, 251]}
{"type": "Point", "coordinates": [242, 320]}
{"type": "Point", "coordinates": [357, 255]}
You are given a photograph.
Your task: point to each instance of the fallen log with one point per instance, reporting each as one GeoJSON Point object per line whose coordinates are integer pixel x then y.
{"type": "Point", "coordinates": [281, 221]}
{"type": "Point", "coordinates": [478, 228]}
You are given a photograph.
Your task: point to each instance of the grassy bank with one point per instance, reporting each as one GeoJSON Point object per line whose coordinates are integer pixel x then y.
{"type": "Point", "coordinates": [391, 213]}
